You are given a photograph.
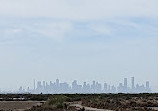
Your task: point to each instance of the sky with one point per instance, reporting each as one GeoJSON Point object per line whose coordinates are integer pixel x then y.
{"type": "Point", "coordinates": [84, 40]}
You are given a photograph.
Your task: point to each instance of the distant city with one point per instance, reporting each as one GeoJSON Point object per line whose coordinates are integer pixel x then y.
{"type": "Point", "coordinates": [95, 87]}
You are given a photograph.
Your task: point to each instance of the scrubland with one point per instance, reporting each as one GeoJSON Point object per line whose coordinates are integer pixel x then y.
{"type": "Point", "coordinates": [82, 102]}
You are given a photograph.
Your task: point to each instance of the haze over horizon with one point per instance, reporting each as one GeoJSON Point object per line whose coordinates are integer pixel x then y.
{"type": "Point", "coordinates": [82, 40]}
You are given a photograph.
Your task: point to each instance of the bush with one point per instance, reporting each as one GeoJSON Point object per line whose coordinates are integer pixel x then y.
{"type": "Point", "coordinates": [57, 100]}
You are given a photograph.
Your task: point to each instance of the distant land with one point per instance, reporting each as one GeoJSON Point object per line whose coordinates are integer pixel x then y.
{"type": "Point", "coordinates": [95, 87]}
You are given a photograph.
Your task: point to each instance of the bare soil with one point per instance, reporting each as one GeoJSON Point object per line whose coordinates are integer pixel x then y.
{"type": "Point", "coordinates": [79, 106]}
{"type": "Point", "coordinates": [18, 105]}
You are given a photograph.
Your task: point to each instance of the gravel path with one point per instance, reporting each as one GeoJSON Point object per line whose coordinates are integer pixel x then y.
{"type": "Point", "coordinates": [78, 106]}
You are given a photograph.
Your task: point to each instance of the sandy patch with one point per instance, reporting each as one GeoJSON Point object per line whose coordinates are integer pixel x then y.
{"type": "Point", "coordinates": [18, 105]}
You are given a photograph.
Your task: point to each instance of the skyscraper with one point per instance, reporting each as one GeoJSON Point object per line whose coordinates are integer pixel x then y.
{"type": "Point", "coordinates": [57, 83]}
{"type": "Point", "coordinates": [44, 84]}
{"type": "Point", "coordinates": [105, 86]}
{"type": "Point", "coordinates": [125, 83]}
{"type": "Point", "coordinates": [132, 81]}
{"type": "Point", "coordinates": [34, 85]}
{"type": "Point", "coordinates": [147, 84]}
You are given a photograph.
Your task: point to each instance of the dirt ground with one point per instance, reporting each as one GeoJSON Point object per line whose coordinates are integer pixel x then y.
{"type": "Point", "coordinates": [18, 105]}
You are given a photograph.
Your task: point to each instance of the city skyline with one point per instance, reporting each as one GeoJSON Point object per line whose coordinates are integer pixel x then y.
{"type": "Point", "coordinates": [58, 87]}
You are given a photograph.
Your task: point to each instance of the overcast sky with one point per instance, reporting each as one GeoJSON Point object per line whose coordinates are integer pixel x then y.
{"type": "Point", "coordinates": [102, 40]}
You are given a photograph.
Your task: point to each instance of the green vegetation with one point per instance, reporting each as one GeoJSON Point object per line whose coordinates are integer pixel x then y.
{"type": "Point", "coordinates": [57, 100]}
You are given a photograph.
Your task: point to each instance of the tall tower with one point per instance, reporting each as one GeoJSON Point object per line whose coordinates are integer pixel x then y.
{"type": "Point", "coordinates": [125, 83]}
{"type": "Point", "coordinates": [44, 84]}
{"type": "Point", "coordinates": [132, 80]}
{"type": "Point", "coordinates": [105, 86]}
{"type": "Point", "coordinates": [147, 84]}
{"type": "Point", "coordinates": [57, 83]}
{"type": "Point", "coordinates": [34, 87]}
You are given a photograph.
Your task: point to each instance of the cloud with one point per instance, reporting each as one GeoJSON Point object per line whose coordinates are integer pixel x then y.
{"type": "Point", "coordinates": [55, 30]}
{"type": "Point", "coordinates": [9, 32]}
{"type": "Point", "coordinates": [100, 29]}
{"type": "Point", "coordinates": [59, 30]}
{"type": "Point", "coordinates": [79, 10]}
{"type": "Point", "coordinates": [103, 17]}
{"type": "Point", "coordinates": [126, 22]}
{"type": "Point", "coordinates": [12, 31]}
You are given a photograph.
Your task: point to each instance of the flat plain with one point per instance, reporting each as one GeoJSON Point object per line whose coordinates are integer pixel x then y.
{"type": "Point", "coordinates": [79, 102]}
{"type": "Point", "coordinates": [18, 105]}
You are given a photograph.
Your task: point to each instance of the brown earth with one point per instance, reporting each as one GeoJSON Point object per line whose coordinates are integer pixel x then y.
{"type": "Point", "coordinates": [18, 105]}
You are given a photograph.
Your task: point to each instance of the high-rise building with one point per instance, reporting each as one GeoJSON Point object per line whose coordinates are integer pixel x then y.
{"type": "Point", "coordinates": [84, 87]}
{"type": "Point", "coordinates": [44, 84]}
{"type": "Point", "coordinates": [147, 84]}
{"type": "Point", "coordinates": [74, 86]}
{"type": "Point", "coordinates": [105, 86]}
{"type": "Point", "coordinates": [39, 84]}
{"type": "Point", "coordinates": [57, 82]}
{"type": "Point", "coordinates": [34, 85]}
{"type": "Point", "coordinates": [125, 83]}
{"type": "Point", "coordinates": [120, 88]}
{"type": "Point", "coordinates": [57, 85]}
{"type": "Point", "coordinates": [132, 81]}
{"type": "Point", "coordinates": [93, 86]}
